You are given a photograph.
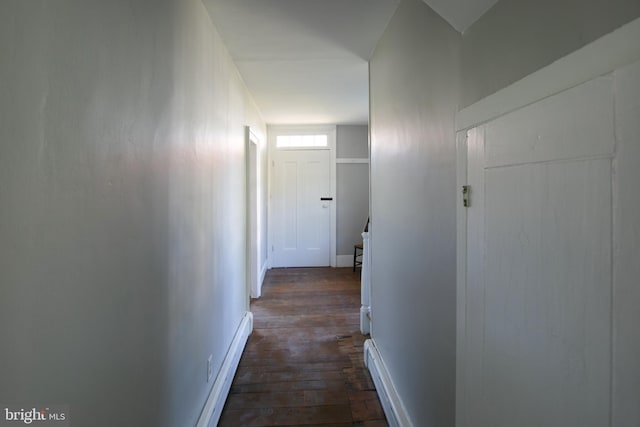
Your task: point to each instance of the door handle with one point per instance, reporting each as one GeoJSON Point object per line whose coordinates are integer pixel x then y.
{"type": "Point", "coordinates": [326, 198]}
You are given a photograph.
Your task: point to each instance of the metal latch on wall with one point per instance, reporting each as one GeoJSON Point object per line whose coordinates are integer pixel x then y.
{"type": "Point", "coordinates": [465, 196]}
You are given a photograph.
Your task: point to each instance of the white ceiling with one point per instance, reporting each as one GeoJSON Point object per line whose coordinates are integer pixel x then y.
{"type": "Point", "coordinates": [305, 61]}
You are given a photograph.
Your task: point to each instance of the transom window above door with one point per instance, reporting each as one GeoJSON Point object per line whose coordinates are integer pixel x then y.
{"type": "Point", "coordinates": [301, 141]}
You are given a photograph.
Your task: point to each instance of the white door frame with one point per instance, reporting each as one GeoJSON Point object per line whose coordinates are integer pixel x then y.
{"type": "Point", "coordinates": [253, 237]}
{"type": "Point", "coordinates": [272, 133]}
{"type": "Point", "coordinates": [461, 270]}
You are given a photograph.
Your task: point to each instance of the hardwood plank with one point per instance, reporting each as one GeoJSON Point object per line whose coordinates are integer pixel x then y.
{"type": "Point", "coordinates": [366, 409]}
{"type": "Point", "coordinates": [288, 399]}
{"type": "Point", "coordinates": [286, 416]}
{"type": "Point", "coordinates": [288, 386]}
{"type": "Point", "coordinates": [259, 377]}
{"type": "Point", "coordinates": [303, 364]}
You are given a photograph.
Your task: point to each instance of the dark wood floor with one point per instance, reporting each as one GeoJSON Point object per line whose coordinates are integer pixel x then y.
{"type": "Point", "coordinates": [303, 364]}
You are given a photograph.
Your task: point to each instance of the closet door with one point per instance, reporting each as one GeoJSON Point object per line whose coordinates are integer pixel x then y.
{"type": "Point", "coordinates": [536, 344]}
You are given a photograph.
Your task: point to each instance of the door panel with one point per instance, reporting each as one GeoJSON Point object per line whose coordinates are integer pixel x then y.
{"type": "Point", "coordinates": [290, 205]}
{"type": "Point", "coordinates": [547, 292]}
{"type": "Point", "coordinates": [537, 333]}
{"type": "Point", "coordinates": [303, 221]}
{"type": "Point", "coordinates": [571, 124]}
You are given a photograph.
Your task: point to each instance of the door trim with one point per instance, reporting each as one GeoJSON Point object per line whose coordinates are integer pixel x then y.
{"type": "Point", "coordinates": [253, 226]}
{"type": "Point", "coordinates": [272, 132]}
{"type": "Point", "coordinates": [461, 271]}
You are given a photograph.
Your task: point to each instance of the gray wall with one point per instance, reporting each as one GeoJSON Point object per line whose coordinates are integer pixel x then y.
{"type": "Point", "coordinates": [414, 93]}
{"type": "Point", "coordinates": [121, 207]}
{"type": "Point", "coordinates": [352, 186]}
{"type": "Point", "coordinates": [517, 37]}
{"type": "Point", "coordinates": [352, 142]}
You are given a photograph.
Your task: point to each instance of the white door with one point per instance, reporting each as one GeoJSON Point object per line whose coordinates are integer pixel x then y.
{"type": "Point", "coordinates": [536, 340]}
{"type": "Point", "coordinates": [301, 206]}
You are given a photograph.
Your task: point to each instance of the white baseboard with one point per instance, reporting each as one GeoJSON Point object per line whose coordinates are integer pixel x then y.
{"type": "Point", "coordinates": [258, 292]}
{"type": "Point", "coordinates": [365, 321]}
{"type": "Point", "coordinates": [393, 408]}
{"type": "Point", "coordinates": [217, 397]}
{"type": "Point", "coordinates": [344, 261]}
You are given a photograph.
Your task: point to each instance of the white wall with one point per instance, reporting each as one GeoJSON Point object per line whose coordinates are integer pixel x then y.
{"type": "Point", "coordinates": [121, 207]}
{"type": "Point", "coordinates": [413, 96]}
{"type": "Point", "coordinates": [414, 92]}
{"type": "Point", "coordinates": [352, 187]}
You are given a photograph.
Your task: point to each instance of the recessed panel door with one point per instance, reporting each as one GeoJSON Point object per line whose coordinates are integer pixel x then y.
{"type": "Point", "coordinates": [301, 200]}
{"type": "Point", "coordinates": [537, 334]}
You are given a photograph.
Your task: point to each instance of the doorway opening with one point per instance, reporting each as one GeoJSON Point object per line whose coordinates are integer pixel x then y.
{"type": "Point", "coordinates": [302, 188]}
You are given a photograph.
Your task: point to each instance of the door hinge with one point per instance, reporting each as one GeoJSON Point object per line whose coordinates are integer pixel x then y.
{"type": "Point", "coordinates": [466, 202]}
{"type": "Point", "coordinates": [272, 250]}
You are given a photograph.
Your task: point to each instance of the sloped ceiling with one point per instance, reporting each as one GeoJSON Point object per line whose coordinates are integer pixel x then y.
{"type": "Point", "coordinates": [306, 62]}
{"type": "Point", "coordinates": [461, 13]}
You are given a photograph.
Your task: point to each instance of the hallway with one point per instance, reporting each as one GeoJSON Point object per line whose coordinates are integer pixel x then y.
{"type": "Point", "coordinates": [493, 145]}
{"type": "Point", "coordinates": [303, 364]}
